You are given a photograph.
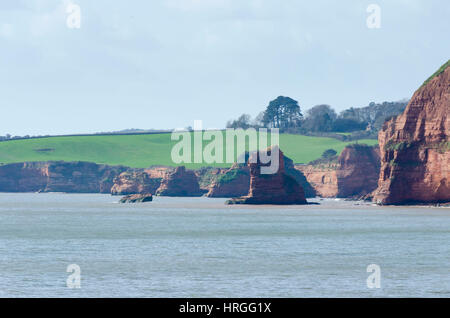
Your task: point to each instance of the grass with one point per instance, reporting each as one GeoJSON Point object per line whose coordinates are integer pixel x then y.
{"type": "Point", "coordinates": [142, 151]}
{"type": "Point", "coordinates": [439, 71]}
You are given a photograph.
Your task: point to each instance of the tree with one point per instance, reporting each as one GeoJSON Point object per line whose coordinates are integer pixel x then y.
{"type": "Point", "coordinates": [374, 114]}
{"type": "Point", "coordinates": [348, 125]}
{"type": "Point", "coordinates": [282, 112]}
{"type": "Point", "coordinates": [329, 153]}
{"type": "Point", "coordinates": [258, 122]}
{"type": "Point", "coordinates": [319, 118]}
{"type": "Point", "coordinates": [242, 122]}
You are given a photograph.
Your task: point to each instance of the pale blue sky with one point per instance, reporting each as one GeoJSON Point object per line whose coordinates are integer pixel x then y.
{"type": "Point", "coordinates": [165, 63]}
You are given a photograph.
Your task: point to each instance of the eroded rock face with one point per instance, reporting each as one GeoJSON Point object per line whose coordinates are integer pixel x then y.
{"type": "Point", "coordinates": [180, 183]}
{"type": "Point", "coordinates": [353, 175]}
{"type": "Point", "coordinates": [58, 176]}
{"type": "Point", "coordinates": [279, 188]}
{"type": "Point", "coordinates": [135, 182]}
{"type": "Point", "coordinates": [207, 176]}
{"type": "Point", "coordinates": [323, 178]}
{"type": "Point", "coordinates": [415, 148]}
{"type": "Point", "coordinates": [299, 176]}
{"type": "Point", "coordinates": [234, 182]}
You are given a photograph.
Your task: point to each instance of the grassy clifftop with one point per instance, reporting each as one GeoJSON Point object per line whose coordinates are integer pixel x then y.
{"type": "Point", "coordinates": [439, 71]}
{"type": "Point", "coordinates": [142, 151]}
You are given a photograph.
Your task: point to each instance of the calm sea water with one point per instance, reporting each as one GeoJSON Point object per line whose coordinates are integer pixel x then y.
{"type": "Point", "coordinates": [198, 247]}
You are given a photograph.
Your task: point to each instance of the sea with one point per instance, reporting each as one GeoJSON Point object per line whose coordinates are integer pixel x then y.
{"type": "Point", "coordinates": [89, 245]}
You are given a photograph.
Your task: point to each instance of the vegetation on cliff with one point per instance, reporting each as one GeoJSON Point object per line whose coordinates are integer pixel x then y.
{"type": "Point", "coordinates": [439, 71]}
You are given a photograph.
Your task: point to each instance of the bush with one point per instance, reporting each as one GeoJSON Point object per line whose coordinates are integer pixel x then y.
{"type": "Point", "coordinates": [329, 153]}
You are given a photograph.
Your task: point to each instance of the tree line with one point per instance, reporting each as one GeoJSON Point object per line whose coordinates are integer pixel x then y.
{"type": "Point", "coordinates": [285, 113]}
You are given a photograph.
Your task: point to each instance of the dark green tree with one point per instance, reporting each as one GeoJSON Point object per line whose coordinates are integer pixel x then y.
{"type": "Point", "coordinates": [319, 118]}
{"type": "Point", "coordinates": [283, 112]}
{"type": "Point", "coordinates": [329, 153]}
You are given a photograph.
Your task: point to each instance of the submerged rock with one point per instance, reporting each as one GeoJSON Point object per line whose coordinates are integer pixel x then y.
{"type": "Point", "coordinates": [137, 198]}
{"type": "Point", "coordinates": [278, 188]}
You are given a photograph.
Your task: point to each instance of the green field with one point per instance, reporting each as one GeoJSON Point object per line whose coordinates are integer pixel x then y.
{"type": "Point", "coordinates": [142, 151]}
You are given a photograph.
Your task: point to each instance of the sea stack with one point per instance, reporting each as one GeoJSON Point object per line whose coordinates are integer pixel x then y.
{"type": "Point", "coordinates": [278, 188]}
{"type": "Point", "coordinates": [415, 147]}
{"type": "Point", "coordinates": [180, 183]}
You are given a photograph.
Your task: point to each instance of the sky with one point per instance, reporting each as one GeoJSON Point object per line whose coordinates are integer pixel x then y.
{"type": "Point", "coordinates": [162, 64]}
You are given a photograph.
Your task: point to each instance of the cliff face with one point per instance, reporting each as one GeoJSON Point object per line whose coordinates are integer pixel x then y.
{"type": "Point", "coordinates": [415, 148]}
{"type": "Point", "coordinates": [135, 182]}
{"type": "Point", "coordinates": [23, 177]}
{"type": "Point", "coordinates": [323, 178]}
{"type": "Point", "coordinates": [359, 166]}
{"type": "Point", "coordinates": [234, 182]}
{"type": "Point", "coordinates": [180, 183]}
{"type": "Point", "coordinates": [299, 176]}
{"type": "Point", "coordinates": [207, 176]}
{"type": "Point", "coordinates": [279, 188]}
{"type": "Point", "coordinates": [354, 174]}
{"type": "Point", "coordinates": [58, 176]}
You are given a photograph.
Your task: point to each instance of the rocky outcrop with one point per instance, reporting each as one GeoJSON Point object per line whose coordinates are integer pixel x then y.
{"type": "Point", "coordinates": [135, 182]}
{"type": "Point", "coordinates": [234, 182]}
{"type": "Point", "coordinates": [58, 176]}
{"type": "Point", "coordinates": [299, 176]}
{"type": "Point", "coordinates": [158, 172]}
{"type": "Point", "coordinates": [322, 177]}
{"type": "Point", "coordinates": [137, 198]}
{"type": "Point", "coordinates": [278, 188]}
{"type": "Point", "coordinates": [207, 176]}
{"type": "Point", "coordinates": [353, 175]}
{"type": "Point", "coordinates": [180, 183]}
{"type": "Point", "coordinates": [415, 147]}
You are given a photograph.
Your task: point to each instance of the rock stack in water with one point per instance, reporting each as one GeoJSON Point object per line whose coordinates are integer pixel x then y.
{"type": "Point", "coordinates": [180, 183]}
{"type": "Point", "coordinates": [415, 147]}
{"type": "Point", "coordinates": [278, 188]}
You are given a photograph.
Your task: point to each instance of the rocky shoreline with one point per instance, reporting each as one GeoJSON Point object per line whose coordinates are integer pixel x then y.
{"type": "Point", "coordinates": [411, 166]}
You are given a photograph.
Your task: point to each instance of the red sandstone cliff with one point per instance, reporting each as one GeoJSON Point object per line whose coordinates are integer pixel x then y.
{"type": "Point", "coordinates": [58, 176]}
{"type": "Point", "coordinates": [278, 188]}
{"type": "Point", "coordinates": [415, 148]}
{"type": "Point", "coordinates": [234, 182]}
{"type": "Point", "coordinates": [135, 182]}
{"type": "Point", "coordinates": [353, 174]}
{"type": "Point", "coordinates": [180, 183]}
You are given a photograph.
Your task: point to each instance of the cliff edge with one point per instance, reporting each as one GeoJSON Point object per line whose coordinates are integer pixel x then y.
{"type": "Point", "coordinates": [415, 147]}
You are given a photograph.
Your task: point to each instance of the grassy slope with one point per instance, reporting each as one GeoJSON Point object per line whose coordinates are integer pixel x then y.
{"type": "Point", "coordinates": [143, 150]}
{"type": "Point", "coordinates": [439, 71]}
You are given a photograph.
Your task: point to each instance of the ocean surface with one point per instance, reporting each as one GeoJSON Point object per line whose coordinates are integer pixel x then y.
{"type": "Point", "coordinates": [199, 247]}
